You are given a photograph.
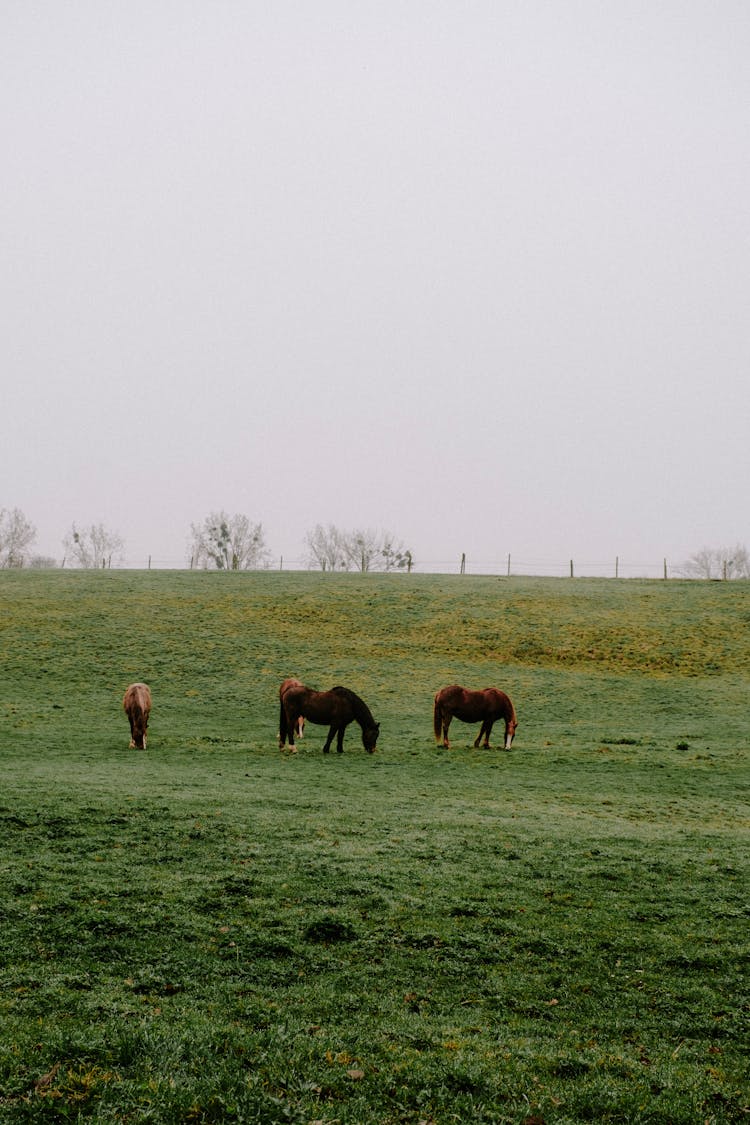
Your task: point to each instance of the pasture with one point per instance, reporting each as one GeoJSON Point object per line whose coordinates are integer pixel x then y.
{"type": "Point", "coordinates": [213, 931]}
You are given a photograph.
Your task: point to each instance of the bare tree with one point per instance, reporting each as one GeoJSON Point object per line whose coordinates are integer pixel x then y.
{"type": "Point", "coordinates": [719, 562]}
{"type": "Point", "coordinates": [93, 547]}
{"type": "Point", "coordinates": [16, 536]}
{"type": "Point", "coordinates": [327, 547]}
{"type": "Point", "coordinates": [362, 549]}
{"type": "Point", "coordinates": [224, 542]}
{"type": "Point", "coordinates": [377, 550]}
{"type": "Point", "coordinates": [700, 565]}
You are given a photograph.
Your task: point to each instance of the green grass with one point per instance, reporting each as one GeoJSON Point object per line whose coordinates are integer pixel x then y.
{"type": "Point", "coordinates": [214, 931]}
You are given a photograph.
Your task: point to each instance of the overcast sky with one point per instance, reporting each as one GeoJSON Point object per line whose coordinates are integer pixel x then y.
{"type": "Point", "coordinates": [474, 272]}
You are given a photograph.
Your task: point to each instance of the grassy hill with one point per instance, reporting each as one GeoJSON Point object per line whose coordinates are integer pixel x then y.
{"type": "Point", "coordinates": [214, 931]}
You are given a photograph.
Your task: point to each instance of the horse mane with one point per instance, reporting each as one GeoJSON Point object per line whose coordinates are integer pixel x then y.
{"type": "Point", "coordinates": [362, 712]}
{"type": "Point", "coordinates": [511, 711]}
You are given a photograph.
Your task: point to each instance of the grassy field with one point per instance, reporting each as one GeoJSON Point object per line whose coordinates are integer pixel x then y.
{"type": "Point", "coordinates": [213, 931]}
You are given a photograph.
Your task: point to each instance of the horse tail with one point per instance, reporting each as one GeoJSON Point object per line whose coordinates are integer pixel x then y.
{"type": "Point", "coordinates": [437, 719]}
{"type": "Point", "coordinates": [282, 725]}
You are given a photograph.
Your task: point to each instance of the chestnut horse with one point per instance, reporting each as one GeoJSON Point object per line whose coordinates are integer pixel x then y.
{"type": "Point", "coordinates": [299, 730]}
{"type": "Point", "coordinates": [336, 708]}
{"type": "Point", "coordinates": [473, 707]}
{"type": "Point", "coordinates": [137, 705]}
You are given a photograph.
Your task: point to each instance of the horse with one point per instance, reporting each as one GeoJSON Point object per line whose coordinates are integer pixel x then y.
{"type": "Point", "coordinates": [337, 708]}
{"type": "Point", "coordinates": [472, 707]}
{"type": "Point", "coordinates": [137, 706]}
{"type": "Point", "coordinates": [299, 730]}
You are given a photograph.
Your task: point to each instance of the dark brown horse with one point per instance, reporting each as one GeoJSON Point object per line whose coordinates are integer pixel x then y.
{"type": "Point", "coordinates": [473, 707]}
{"type": "Point", "coordinates": [335, 708]}
{"type": "Point", "coordinates": [137, 705]}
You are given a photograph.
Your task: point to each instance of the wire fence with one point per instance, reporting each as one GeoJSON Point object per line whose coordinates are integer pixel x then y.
{"type": "Point", "coordinates": [506, 566]}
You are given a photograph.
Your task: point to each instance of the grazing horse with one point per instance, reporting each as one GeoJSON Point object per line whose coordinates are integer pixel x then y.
{"type": "Point", "coordinates": [137, 705]}
{"type": "Point", "coordinates": [299, 730]}
{"type": "Point", "coordinates": [473, 707]}
{"type": "Point", "coordinates": [336, 708]}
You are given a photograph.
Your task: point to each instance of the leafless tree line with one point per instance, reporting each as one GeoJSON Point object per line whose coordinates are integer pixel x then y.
{"type": "Point", "coordinates": [218, 542]}
{"type": "Point", "coordinates": [362, 550]}
{"type": "Point", "coordinates": [224, 542]}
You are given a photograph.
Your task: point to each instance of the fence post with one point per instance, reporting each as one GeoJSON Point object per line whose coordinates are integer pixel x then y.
{"type": "Point", "coordinates": [665, 569]}
{"type": "Point", "coordinates": [463, 564]}
{"type": "Point", "coordinates": [571, 568]}
{"type": "Point", "coordinates": [508, 564]}
{"type": "Point", "coordinates": [617, 566]}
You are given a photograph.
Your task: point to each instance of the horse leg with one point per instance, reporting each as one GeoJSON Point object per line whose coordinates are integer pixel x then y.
{"type": "Point", "coordinates": [489, 723]}
{"type": "Point", "coordinates": [508, 735]}
{"type": "Point", "coordinates": [445, 723]}
{"type": "Point", "coordinates": [340, 739]}
{"type": "Point", "coordinates": [329, 740]}
{"type": "Point", "coordinates": [291, 725]}
{"type": "Point", "coordinates": [482, 730]}
{"type": "Point", "coordinates": [282, 727]}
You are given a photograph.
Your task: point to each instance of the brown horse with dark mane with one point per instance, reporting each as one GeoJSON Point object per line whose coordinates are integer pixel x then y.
{"type": "Point", "coordinates": [335, 708]}
{"type": "Point", "coordinates": [137, 706]}
{"type": "Point", "coordinates": [473, 707]}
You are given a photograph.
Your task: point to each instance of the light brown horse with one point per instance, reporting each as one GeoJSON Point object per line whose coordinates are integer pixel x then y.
{"type": "Point", "coordinates": [335, 708]}
{"type": "Point", "coordinates": [137, 705]}
{"type": "Point", "coordinates": [473, 707]}
{"type": "Point", "coordinates": [299, 729]}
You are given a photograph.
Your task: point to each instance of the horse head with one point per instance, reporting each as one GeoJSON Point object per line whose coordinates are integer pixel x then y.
{"type": "Point", "coordinates": [138, 741]}
{"type": "Point", "coordinates": [510, 730]}
{"type": "Point", "coordinates": [370, 737]}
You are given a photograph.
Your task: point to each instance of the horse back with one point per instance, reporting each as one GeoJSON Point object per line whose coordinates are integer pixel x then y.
{"type": "Point", "coordinates": [299, 700]}
{"type": "Point", "coordinates": [460, 701]}
{"type": "Point", "coordinates": [137, 700]}
{"type": "Point", "coordinates": [472, 706]}
{"type": "Point", "coordinates": [288, 685]}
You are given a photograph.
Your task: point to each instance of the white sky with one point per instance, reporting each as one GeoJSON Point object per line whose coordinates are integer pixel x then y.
{"type": "Point", "coordinates": [474, 272]}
